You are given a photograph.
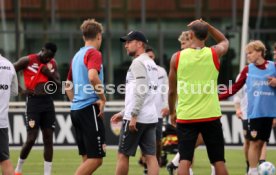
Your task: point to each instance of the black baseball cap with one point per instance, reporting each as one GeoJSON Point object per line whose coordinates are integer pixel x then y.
{"type": "Point", "coordinates": [134, 35]}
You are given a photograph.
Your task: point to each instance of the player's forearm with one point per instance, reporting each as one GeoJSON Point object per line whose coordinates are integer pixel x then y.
{"type": "Point", "coordinates": [172, 100]}
{"type": "Point", "coordinates": [56, 79]}
{"type": "Point", "coordinates": [53, 76]}
{"type": "Point", "coordinates": [70, 94]}
{"type": "Point", "coordinates": [98, 87]}
{"type": "Point", "coordinates": [69, 90]}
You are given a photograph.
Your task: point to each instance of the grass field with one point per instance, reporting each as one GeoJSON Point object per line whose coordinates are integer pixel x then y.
{"type": "Point", "coordinates": [66, 161]}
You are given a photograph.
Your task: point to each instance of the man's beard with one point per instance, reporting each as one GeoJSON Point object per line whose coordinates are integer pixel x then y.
{"type": "Point", "coordinates": [132, 54]}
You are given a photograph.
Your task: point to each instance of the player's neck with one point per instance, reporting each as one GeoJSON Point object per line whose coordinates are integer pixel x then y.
{"type": "Point", "coordinates": [139, 52]}
{"type": "Point", "coordinates": [91, 43]}
{"type": "Point", "coordinates": [260, 61]}
{"type": "Point", "coordinates": [197, 44]}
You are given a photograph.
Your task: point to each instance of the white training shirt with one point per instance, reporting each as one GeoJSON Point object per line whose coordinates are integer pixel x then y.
{"type": "Point", "coordinates": [141, 88]}
{"type": "Point", "coordinates": [241, 98]}
{"type": "Point", "coordinates": [8, 87]}
{"type": "Point", "coordinates": [161, 98]}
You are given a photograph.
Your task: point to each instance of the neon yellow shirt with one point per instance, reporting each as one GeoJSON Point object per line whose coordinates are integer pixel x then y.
{"type": "Point", "coordinates": [197, 85]}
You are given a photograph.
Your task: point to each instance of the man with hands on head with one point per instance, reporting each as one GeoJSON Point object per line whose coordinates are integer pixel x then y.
{"type": "Point", "coordinates": [198, 111]}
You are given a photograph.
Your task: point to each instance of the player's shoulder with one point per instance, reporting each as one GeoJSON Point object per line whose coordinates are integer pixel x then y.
{"type": "Point", "coordinates": [4, 60]}
{"type": "Point", "coordinates": [93, 52]}
{"type": "Point", "coordinates": [32, 56]}
{"type": "Point", "coordinates": [30, 59]}
{"type": "Point", "coordinates": [6, 64]}
{"type": "Point", "coordinates": [161, 69]}
{"type": "Point", "coordinates": [177, 53]}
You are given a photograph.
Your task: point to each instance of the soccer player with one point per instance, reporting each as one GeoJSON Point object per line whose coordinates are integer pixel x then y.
{"type": "Point", "coordinates": [88, 99]}
{"type": "Point", "coordinates": [241, 101]}
{"type": "Point", "coordinates": [272, 80]}
{"type": "Point", "coordinates": [185, 42]}
{"type": "Point", "coordinates": [8, 87]}
{"type": "Point", "coordinates": [39, 69]}
{"type": "Point", "coordinates": [261, 100]}
{"type": "Point", "coordinates": [139, 116]}
{"type": "Point", "coordinates": [192, 81]}
{"type": "Point", "coordinates": [161, 104]}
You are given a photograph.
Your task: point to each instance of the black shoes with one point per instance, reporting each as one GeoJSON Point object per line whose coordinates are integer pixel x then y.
{"type": "Point", "coordinates": [170, 168]}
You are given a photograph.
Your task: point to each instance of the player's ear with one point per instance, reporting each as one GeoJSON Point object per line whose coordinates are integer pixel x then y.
{"type": "Point", "coordinates": [192, 34]}
{"type": "Point", "coordinates": [99, 36]}
{"type": "Point", "coordinates": [141, 44]}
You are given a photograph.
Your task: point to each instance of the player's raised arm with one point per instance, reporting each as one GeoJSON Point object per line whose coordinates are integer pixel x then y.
{"type": "Point", "coordinates": [222, 42]}
{"type": "Point", "coordinates": [172, 89]}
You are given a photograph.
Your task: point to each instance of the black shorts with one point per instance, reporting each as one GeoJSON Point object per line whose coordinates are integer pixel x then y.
{"type": "Point", "coordinates": [145, 137]}
{"type": "Point", "coordinates": [40, 112]}
{"type": "Point", "coordinates": [245, 128]}
{"type": "Point", "coordinates": [159, 127]}
{"type": "Point", "coordinates": [212, 135]}
{"type": "Point", "coordinates": [259, 129]}
{"type": "Point", "coordinates": [90, 131]}
{"type": "Point", "coordinates": [4, 144]}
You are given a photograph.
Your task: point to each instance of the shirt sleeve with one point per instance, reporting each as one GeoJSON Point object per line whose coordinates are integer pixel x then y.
{"type": "Point", "coordinates": [93, 59]}
{"type": "Point", "coordinates": [122, 112]}
{"type": "Point", "coordinates": [236, 86]}
{"type": "Point", "coordinates": [140, 74]}
{"type": "Point", "coordinates": [14, 85]}
{"type": "Point", "coordinates": [238, 96]}
{"type": "Point", "coordinates": [165, 88]}
{"type": "Point", "coordinates": [69, 75]}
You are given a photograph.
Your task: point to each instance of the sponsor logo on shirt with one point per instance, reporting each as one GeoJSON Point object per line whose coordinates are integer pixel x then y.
{"type": "Point", "coordinates": [5, 67]}
{"type": "Point", "coordinates": [4, 87]}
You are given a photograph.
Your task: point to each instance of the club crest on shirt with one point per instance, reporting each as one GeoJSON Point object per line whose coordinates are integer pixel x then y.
{"type": "Point", "coordinates": [31, 123]}
{"type": "Point", "coordinates": [254, 134]}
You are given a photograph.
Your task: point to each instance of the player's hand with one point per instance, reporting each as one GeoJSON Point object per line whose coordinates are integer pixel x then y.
{"type": "Point", "coordinates": [271, 81]}
{"type": "Point", "coordinates": [101, 104]}
{"type": "Point", "coordinates": [132, 124]}
{"type": "Point", "coordinates": [173, 119]}
{"type": "Point", "coordinates": [196, 21]}
{"type": "Point", "coordinates": [239, 114]}
{"type": "Point", "coordinates": [22, 91]}
{"type": "Point", "coordinates": [44, 69]}
{"type": "Point", "coordinates": [165, 112]}
{"type": "Point", "coordinates": [274, 123]}
{"type": "Point", "coordinates": [116, 118]}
